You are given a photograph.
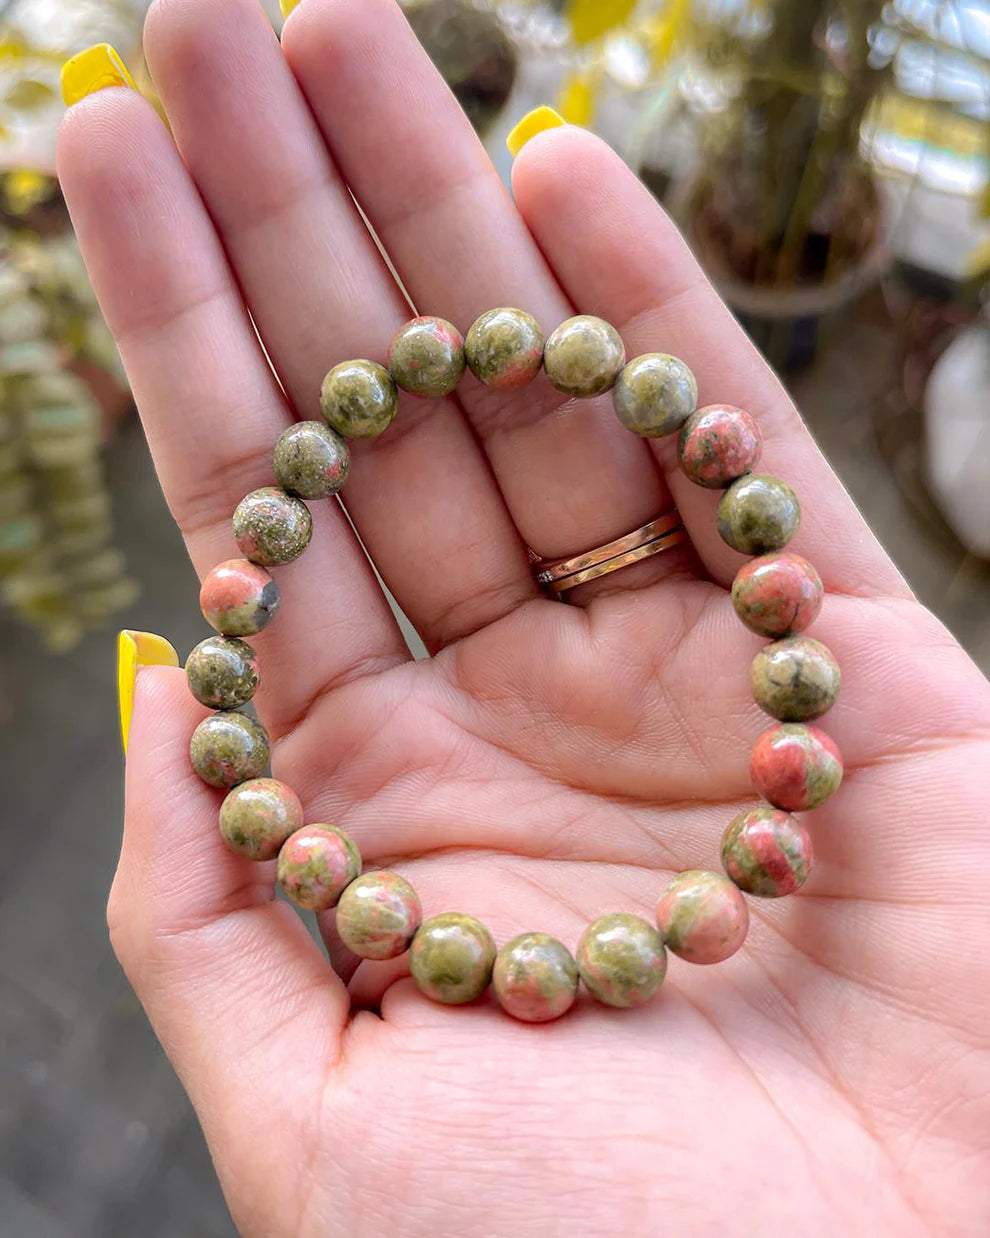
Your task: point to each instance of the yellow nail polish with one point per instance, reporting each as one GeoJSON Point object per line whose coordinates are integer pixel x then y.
{"type": "Point", "coordinates": [134, 650]}
{"type": "Point", "coordinates": [92, 70]}
{"type": "Point", "coordinates": [287, 6]}
{"type": "Point", "coordinates": [532, 123]}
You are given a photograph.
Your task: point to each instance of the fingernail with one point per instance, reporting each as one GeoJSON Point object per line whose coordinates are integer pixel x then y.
{"type": "Point", "coordinates": [134, 650]}
{"type": "Point", "coordinates": [287, 6]}
{"type": "Point", "coordinates": [92, 70]}
{"type": "Point", "coordinates": [532, 123]}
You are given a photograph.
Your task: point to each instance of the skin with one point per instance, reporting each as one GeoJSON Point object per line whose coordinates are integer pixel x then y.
{"type": "Point", "coordinates": [222, 672]}
{"type": "Point", "coordinates": [271, 527]}
{"type": "Point", "coordinates": [654, 395]}
{"type": "Point", "coordinates": [545, 766]}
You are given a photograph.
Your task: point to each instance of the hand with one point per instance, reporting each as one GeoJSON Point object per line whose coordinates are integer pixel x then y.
{"type": "Point", "coordinates": [550, 763]}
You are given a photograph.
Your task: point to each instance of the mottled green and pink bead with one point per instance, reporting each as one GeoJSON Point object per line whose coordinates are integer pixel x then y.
{"type": "Point", "coordinates": [227, 748]}
{"type": "Point", "coordinates": [452, 958]}
{"type": "Point", "coordinates": [583, 356]}
{"type": "Point", "coordinates": [504, 349]}
{"type": "Point", "coordinates": [621, 960]}
{"type": "Point", "coordinates": [702, 917]}
{"type": "Point", "coordinates": [358, 399]}
{"type": "Point", "coordinates": [238, 598]}
{"type": "Point", "coordinates": [655, 394]}
{"type": "Point", "coordinates": [426, 357]}
{"type": "Point", "coordinates": [795, 767]}
{"type": "Point", "coordinates": [796, 679]}
{"type": "Point", "coordinates": [757, 514]}
{"type": "Point", "coordinates": [311, 460]}
{"type": "Point", "coordinates": [258, 816]}
{"type": "Point", "coordinates": [222, 672]}
{"type": "Point", "coordinates": [271, 527]}
{"type": "Point", "coordinates": [777, 594]}
{"type": "Point", "coordinates": [316, 865]}
{"type": "Point", "coordinates": [766, 852]}
{"type": "Point", "coordinates": [378, 915]}
{"type": "Point", "coordinates": [535, 978]}
{"type": "Point", "coordinates": [718, 444]}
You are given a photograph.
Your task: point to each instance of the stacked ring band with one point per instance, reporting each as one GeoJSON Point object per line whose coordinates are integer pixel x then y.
{"type": "Point", "coordinates": [701, 915]}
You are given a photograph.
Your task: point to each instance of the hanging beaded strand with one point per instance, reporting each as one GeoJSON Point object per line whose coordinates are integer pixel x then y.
{"type": "Point", "coordinates": [766, 851]}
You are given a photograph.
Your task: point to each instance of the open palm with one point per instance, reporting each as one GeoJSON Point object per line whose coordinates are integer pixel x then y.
{"type": "Point", "coordinates": [549, 763]}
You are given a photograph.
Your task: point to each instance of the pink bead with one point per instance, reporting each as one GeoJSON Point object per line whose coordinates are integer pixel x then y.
{"type": "Point", "coordinates": [777, 594]}
{"type": "Point", "coordinates": [238, 598]}
{"type": "Point", "coordinates": [795, 766]}
{"type": "Point", "coordinates": [717, 444]}
{"type": "Point", "coordinates": [702, 917]}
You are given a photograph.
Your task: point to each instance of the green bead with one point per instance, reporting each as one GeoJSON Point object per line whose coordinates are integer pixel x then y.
{"type": "Point", "coordinates": [535, 978]}
{"type": "Point", "coordinates": [378, 915]}
{"type": "Point", "coordinates": [504, 349]}
{"type": "Point", "coordinates": [258, 816]}
{"type": "Point", "coordinates": [271, 527]}
{"type": "Point", "coordinates": [758, 514]}
{"type": "Point", "coordinates": [222, 672]}
{"type": "Point", "coordinates": [311, 460]}
{"type": "Point", "coordinates": [452, 958]}
{"type": "Point", "coordinates": [655, 394]}
{"type": "Point", "coordinates": [426, 357]}
{"type": "Point", "coordinates": [316, 865]}
{"type": "Point", "coordinates": [227, 748]}
{"type": "Point", "coordinates": [621, 960]}
{"type": "Point", "coordinates": [359, 399]}
{"type": "Point", "coordinates": [796, 679]}
{"type": "Point", "coordinates": [583, 356]}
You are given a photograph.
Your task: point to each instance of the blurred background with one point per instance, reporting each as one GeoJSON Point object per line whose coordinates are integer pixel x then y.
{"type": "Point", "coordinates": [829, 161]}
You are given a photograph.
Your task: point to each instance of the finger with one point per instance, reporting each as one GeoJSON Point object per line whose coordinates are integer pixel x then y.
{"type": "Point", "coordinates": [320, 293]}
{"type": "Point", "coordinates": [241, 997]}
{"type": "Point", "coordinates": [584, 205]}
{"type": "Point", "coordinates": [572, 478]}
{"type": "Point", "coordinates": [209, 402]}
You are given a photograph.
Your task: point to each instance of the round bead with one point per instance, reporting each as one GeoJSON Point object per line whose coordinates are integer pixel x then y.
{"type": "Point", "coordinates": [655, 394]}
{"type": "Point", "coordinates": [767, 853]}
{"type": "Point", "coordinates": [504, 349]}
{"type": "Point", "coordinates": [358, 399]}
{"type": "Point", "coordinates": [777, 594]}
{"type": "Point", "coordinates": [583, 356]}
{"type": "Point", "coordinates": [452, 958]}
{"type": "Point", "coordinates": [795, 767]}
{"type": "Point", "coordinates": [717, 444]}
{"type": "Point", "coordinates": [426, 357]}
{"type": "Point", "coordinates": [758, 513]}
{"type": "Point", "coordinates": [311, 460]}
{"type": "Point", "coordinates": [222, 672]}
{"type": "Point", "coordinates": [238, 598]}
{"type": "Point", "coordinates": [271, 527]}
{"type": "Point", "coordinates": [621, 960]}
{"type": "Point", "coordinates": [316, 865]}
{"type": "Point", "coordinates": [702, 917]}
{"type": "Point", "coordinates": [535, 978]}
{"type": "Point", "coordinates": [378, 915]}
{"type": "Point", "coordinates": [258, 816]}
{"type": "Point", "coordinates": [228, 748]}
{"type": "Point", "coordinates": [795, 680]}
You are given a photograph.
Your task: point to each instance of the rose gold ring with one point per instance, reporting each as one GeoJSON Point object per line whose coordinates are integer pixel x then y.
{"type": "Point", "coordinates": [561, 574]}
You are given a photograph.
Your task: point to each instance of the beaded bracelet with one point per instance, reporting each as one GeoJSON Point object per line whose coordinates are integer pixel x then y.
{"type": "Point", "coordinates": [700, 916]}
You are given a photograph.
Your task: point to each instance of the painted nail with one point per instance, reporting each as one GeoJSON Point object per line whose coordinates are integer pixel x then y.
{"type": "Point", "coordinates": [532, 123]}
{"type": "Point", "coordinates": [92, 70]}
{"type": "Point", "coordinates": [287, 6]}
{"type": "Point", "coordinates": [134, 650]}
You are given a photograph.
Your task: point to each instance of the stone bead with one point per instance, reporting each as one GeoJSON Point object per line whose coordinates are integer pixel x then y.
{"type": "Point", "coordinates": [238, 598]}
{"type": "Point", "coordinates": [271, 527]}
{"type": "Point", "coordinates": [535, 978]}
{"type": "Point", "coordinates": [504, 349]}
{"type": "Point", "coordinates": [227, 748]}
{"type": "Point", "coordinates": [258, 816]}
{"type": "Point", "coordinates": [717, 444]}
{"type": "Point", "coordinates": [655, 394]}
{"type": "Point", "coordinates": [621, 960]}
{"type": "Point", "coordinates": [795, 680]}
{"type": "Point", "coordinates": [767, 853]}
{"type": "Point", "coordinates": [583, 356]}
{"type": "Point", "coordinates": [311, 460]}
{"type": "Point", "coordinates": [758, 513]}
{"type": "Point", "coordinates": [426, 357]}
{"type": "Point", "coordinates": [222, 672]}
{"type": "Point", "coordinates": [316, 865]}
{"type": "Point", "coordinates": [795, 767]}
{"type": "Point", "coordinates": [452, 958]}
{"type": "Point", "coordinates": [378, 915]}
{"type": "Point", "coordinates": [777, 594]}
{"type": "Point", "coordinates": [359, 399]}
{"type": "Point", "coordinates": [702, 917]}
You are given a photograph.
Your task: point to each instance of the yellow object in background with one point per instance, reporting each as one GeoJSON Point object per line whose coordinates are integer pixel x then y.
{"type": "Point", "coordinates": [134, 650]}
{"type": "Point", "coordinates": [579, 96]}
{"type": "Point", "coordinates": [534, 122]}
{"type": "Point", "coordinates": [590, 19]}
{"type": "Point", "coordinates": [92, 70]}
{"type": "Point", "coordinates": [287, 6]}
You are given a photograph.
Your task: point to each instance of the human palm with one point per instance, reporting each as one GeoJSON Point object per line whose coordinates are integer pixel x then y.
{"type": "Point", "coordinates": [549, 763]}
